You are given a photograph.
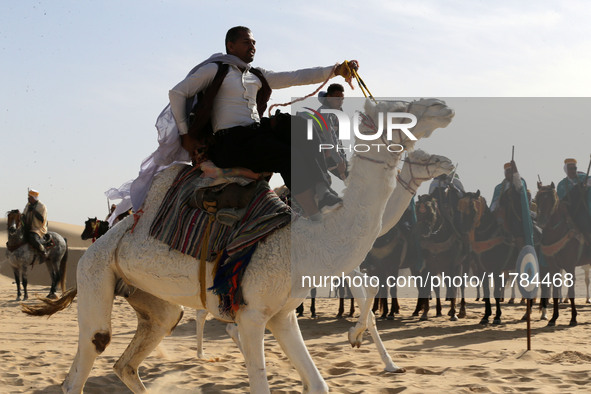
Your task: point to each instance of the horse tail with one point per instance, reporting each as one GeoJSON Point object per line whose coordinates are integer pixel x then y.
{"type": "Point", "coordinates": [63, 262]}
{"type": "Point", "coordinates": [48, 307]}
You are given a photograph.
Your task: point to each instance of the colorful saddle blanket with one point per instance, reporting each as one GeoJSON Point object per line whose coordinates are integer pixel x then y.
{"type": "Point", "coordinates": [185, 228]}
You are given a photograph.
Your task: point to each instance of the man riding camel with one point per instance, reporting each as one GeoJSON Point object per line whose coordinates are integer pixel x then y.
{"type": "Point", "coordinates": [234, 98]}
{"type": "Point", "coordinates": [35, 221]}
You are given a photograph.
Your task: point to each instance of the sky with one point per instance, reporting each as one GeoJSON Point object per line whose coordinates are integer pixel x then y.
{"type": "Point", "coordinates": [83, 82]}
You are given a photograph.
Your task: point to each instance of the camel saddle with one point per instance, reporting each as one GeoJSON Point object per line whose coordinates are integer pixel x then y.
{"type": "Point", "coordinates": [228, 201]}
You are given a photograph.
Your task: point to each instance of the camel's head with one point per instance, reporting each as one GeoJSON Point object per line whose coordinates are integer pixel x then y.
{"type": "Point", "coordinates": [430, 113]}
{"type": "Point", "coordinates": [420, 166]}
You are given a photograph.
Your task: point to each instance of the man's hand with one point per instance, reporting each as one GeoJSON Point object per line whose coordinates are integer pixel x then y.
{"type": "Point", "coordinates": [344, 69]}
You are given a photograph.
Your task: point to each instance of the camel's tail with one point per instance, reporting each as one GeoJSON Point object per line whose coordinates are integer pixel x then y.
{"type": "Point", "coordinates": [48, 307]}
{"type": "Point", "coordinates": [63, 269]}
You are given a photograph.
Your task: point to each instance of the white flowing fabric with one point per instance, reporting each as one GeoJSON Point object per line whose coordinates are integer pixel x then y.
{"type": "Point", "coordinates": [169, 152]}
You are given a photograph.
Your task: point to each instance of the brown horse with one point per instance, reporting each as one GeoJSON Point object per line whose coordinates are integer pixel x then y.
{"type": "Point", "coordinates": [441, 247]}
{"type": "Point", "coordinates": [495, 252]}
{"type": "Point", "coordinates": [563, 245]}
{"type": "Point", "coordinates": [94, 228]}
{"type": "Point", "coordinates": [21, 256]}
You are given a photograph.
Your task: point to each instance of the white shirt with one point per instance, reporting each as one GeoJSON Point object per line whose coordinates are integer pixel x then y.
{"type": "Point", "coordinates": [235, 103]}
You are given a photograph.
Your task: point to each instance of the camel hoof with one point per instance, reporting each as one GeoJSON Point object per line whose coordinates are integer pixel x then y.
{"type": "Point", "coordinates": [484, 321]}
{"type": "Point", "coordinates": [395, 370]}
{"type": "Point", "coordinates": [496, 321]}
{"type": "Point", "coordinates": [551, 323]}
{"type": "Point", "coordinates": [453, 318]}
{"type": "Point", "coordinates": [51, 296]}
{"type": "Point", "coordinates": [573, 323]}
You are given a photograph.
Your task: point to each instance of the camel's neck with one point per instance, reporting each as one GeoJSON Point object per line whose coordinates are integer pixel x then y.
{"type": "Point", "coordinates": [397, 204]}
{"type": "Point", "coordinates": [342, 240]}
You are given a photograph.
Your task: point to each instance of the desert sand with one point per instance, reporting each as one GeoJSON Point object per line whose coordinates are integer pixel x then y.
{"type": "Point", "coordinates": [439, 355]}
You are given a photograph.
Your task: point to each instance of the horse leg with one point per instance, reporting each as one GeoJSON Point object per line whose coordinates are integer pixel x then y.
{"type": "Point", "coordinates": [156, 319]}
{"type": "Point", "coordinates": [352, 307]}
{"type": "Point", "coordinates": [17, 279]}
{"type": "Point", "coordinates": [486, 298]}
{"type": "Point", "coordinates": [95, 302]}
{"type": "Point", "coordinates": [498, 313]}
{"type": "Point", "coordinates": [438, 303]}
{"type": "Point", "coordinates": [451, 296]}
{"type": "Point", "coordinates": [54, 275]}
{"type": "Point", "coordinates": [313, 307]}
{"type": "Point", "coordinates": [588, 300]}
{"type": "Point", "coordinates": [300, 310]}
{"type": "Point", "coordinates": [285, 329]}
{"type": "Point", "coordinates": [571, 297]}
{"type": "Point", "coordinates": [341, 308]}
{"type": "Point", "coordinates": [251, 328]}
{"type": "Point", "coordinates": [200, 317]}
{"type": "Point", "coordinates": [426, 306]}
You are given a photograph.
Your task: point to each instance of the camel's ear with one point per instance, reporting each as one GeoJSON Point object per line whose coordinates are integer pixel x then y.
{"type": "Point", "coordinates": [478, 193]}
{"type": "Point", "coordinates": [552, 185]}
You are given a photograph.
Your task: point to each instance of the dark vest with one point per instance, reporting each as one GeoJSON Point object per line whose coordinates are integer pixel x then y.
{"type": "Point", "coordinates": [200, 126]}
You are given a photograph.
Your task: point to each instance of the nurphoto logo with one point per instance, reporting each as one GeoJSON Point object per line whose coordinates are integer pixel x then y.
{"type": "Point", "coordinates": [345, 125]}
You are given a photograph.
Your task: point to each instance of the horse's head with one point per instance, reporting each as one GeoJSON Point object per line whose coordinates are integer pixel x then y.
{"type": "Point", "coordinates": [471, 207]}
{"type": "Point", "coordinates": [547, 203]}
{"type": "Point", "coordinates": [510, 204]}
{"type": "Point", "coordinates": [427, 215]}
{"type": "Point", "coordinates": [90, 229]}
{"type": "Point", "coordinates": [14, 222]}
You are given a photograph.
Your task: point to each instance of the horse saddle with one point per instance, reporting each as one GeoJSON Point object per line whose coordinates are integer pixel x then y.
{"type": "Point", "coordinates": [227, 201]}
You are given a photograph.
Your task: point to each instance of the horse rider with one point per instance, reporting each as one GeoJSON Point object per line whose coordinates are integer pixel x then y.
{"type": "Point", "coordinates": [336, 159]}
{"type": "Point", "coordinates": [35, 221]}
{"type": "Point", "coordinates": [574, 177]}
{"type": "Point", "coordinates": [514, 180]}
{"type": "Point", "coordinates": [438, 188]}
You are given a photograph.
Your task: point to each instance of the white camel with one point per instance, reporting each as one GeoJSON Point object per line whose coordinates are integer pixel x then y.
{"type": "Point", "coordinates": [165, 279]}
{"type": "Point", "coordinates": [418, 168]}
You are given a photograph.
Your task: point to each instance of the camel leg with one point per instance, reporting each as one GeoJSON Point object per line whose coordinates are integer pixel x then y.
{"type": "Point", "coordinates": [386, 359]}
{"type": "Point", "coordinates": [365, 298]}
{"type": "Point", "coordinates": [156, 319]}
{"type": "Point", "coordinates": [95, 302]}
{"type": "Point", "coordinates": [285, 328]}
{"type": "Point", "coordinates": [200, 317]}
{"type": "Point", "coordinates": [232, 330]}
{"type": "Point", "coordinates": [251, 328]}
